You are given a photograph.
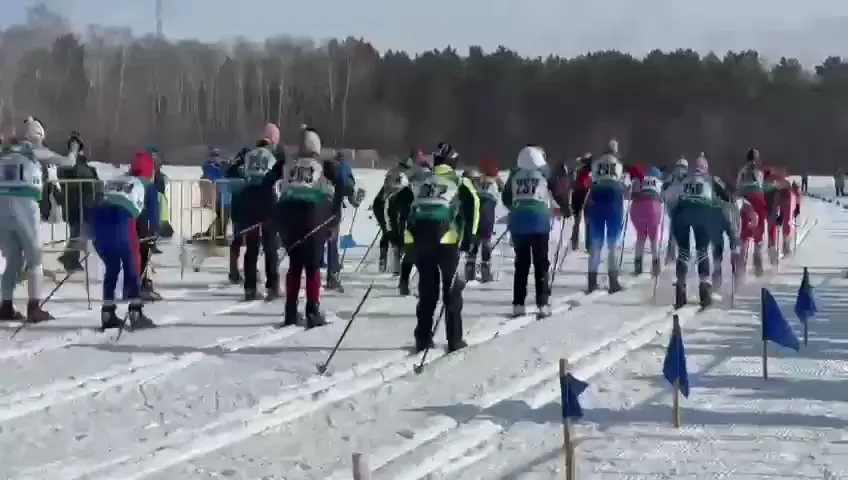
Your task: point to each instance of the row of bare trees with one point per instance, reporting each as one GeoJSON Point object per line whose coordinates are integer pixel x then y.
{"type": "Point", "coordinates": [122, 92]}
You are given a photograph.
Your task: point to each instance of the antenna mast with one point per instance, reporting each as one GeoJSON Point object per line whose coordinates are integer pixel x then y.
{"type": "Point", "coordinates": [159, 19]}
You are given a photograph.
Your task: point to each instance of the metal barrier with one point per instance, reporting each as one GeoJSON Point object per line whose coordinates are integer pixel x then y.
{"type": "Point", "coordinates": [189, 206]}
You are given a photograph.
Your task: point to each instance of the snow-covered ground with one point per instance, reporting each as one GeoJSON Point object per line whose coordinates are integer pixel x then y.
{"type": "Point", "coordinates": [218, 392]}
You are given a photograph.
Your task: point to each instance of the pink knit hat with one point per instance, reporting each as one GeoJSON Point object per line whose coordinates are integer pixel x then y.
{"type": "Point", "coordinates": [271, 133]}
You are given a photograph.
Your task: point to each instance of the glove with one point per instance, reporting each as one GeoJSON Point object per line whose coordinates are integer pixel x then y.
{"type": "Point", "coordinates": [75, 143]}
{"type": "Point", "coordinates": [797, 211]}
{"type": "Point", "coordinates": [779, 219]}
{"type": "Point", "coordinates": [358, 197]}
{"type": "Point", "coordinates": [466, 245]}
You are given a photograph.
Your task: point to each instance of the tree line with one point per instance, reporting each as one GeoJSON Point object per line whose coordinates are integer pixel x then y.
{"type": "Point", "coordinates": [123, 91]}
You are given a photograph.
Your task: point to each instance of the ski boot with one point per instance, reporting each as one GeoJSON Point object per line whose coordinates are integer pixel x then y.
{"type": "Point", "coordinates": [670, 253]}
{"type": "Point", "coordinates": [614, 284]}
{"type": "Point", "coordinates": [292, 317]}
{"type": "Point", "coordinates": [717, 274]}
{"type": "Point", "coordinates": [486, 273]}
{"type": "Point", "coordinates": [36, 314]}
{"type": "Point", "coordinates": [470, 270]}
{"type": "Point", "coordinates": [518, 311]}
{"type": "Point", "coordinates": [403, 287]}
{"type": "Point", "coordinates": [758, 260]}
{"type": "Point", "coordinates": [147, 292]}
{"type": "Point", "coordinates": [138, 320]}
{"type": "Point", "coordinates": [543, 311]}
{"type": "Point", "coordinates": [250, 295]}
{"type": "Point", "coordinates": [333, 283]}
{"type": "Point", "coordinates": [593, 282]}
{"type": "Point", "coordinates": [314, 316]}
{"type": "Point", "coordinates": [637, 266]}
{"type": "Point", "coordinates": [8, 312]}
{"type": "Point", "coordinates": [705, 293]}
{"type": "Point", "coordinates": [456, 345]}
{"type": "Point", "coordinates": [656, 268]}
{"type": "Point", "coordinates": [774, 258]}
{"type": "Point", "coordinates": [680, 295]}
{"type": "Point", "coordinates": [70, 262]}
{"type": "Point", "coordinates": [422, 344]}
{"type": "Point", "coordinates": [787, 245]}
{"type": "Point", "coordinates": [272, 293]}
{"type": "Point", "coordinates": [383, 263]}
{"type": "Point", "coordinates": [109, 318]}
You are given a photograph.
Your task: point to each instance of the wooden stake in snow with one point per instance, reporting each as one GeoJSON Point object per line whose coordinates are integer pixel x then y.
{"type": "Point", "coordinates": [360, 467]}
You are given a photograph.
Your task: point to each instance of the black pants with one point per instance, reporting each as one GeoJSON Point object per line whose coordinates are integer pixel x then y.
{"type": "Point", "coordinates": [804, 185]}
{"type": "Point", "coordinates": [406, 263]}
{"type": "Point", "coordinates": [266, 236]}
{"type": "Point", "coordinates": [578, 201]}
{"type": "Point", "coordinates": [384, 247]}
{"type": "Point", "coordinates": [531, 249]}
{"type": "Point", "coordinates": [437, 266]}
{"type": "Point", "coordinates": [840, 191]}
{"type": "Point", "coordinates": [484, 246]}
{"type": "Point", "coordinates": [144, 230]}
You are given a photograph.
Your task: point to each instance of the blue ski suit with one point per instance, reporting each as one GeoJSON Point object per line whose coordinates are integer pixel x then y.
{"type": "Point", "coordinates": [604, 210]}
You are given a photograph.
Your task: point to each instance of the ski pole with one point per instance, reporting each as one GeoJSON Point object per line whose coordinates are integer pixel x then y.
{"type": "Point", "coordinates": [552, 273]}
{"type": "Point", "coordinates": [367, 251]}
{"type": "Point", "coordinates": [322, 369]}
{"type": "Point", "coordinates": [349, 233]}
{"type": "Point", "coordinates": [304, 238]}
{"type": "Point", "coordinates": [46, 299]}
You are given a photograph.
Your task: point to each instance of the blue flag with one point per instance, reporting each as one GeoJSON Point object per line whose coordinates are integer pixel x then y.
{"type": "Point", "coordinates": [674, 366]}
{"type": "Point", "coordinates": [570, 390]}
{"type": "Point", "coordinates": [775, 327]}
{"type": "Point", "coordinates": [805, 302]}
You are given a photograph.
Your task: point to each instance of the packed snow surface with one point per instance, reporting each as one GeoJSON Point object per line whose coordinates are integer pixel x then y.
{"type": "Point", "coordinates": [219, 392]}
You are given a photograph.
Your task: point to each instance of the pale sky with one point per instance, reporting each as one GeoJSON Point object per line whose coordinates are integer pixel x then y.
{"type": "Point", "coordinates": [809, 30]}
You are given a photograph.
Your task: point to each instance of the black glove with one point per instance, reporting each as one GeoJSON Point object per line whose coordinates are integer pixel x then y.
{"type": "Point", "coordinates": [75, 138]}
{"type": "Point", "coordinates": [779, 219]}
{"type": "Point", "coordinates": [797, 211]}
{"type": "Point", "coordinates": [466, 245]}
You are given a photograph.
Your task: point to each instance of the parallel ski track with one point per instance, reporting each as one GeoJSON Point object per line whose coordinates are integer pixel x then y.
{"type": "Point", "coordinates": [313, 395]}
{"type": "Point", "coordinates": [448, 441]}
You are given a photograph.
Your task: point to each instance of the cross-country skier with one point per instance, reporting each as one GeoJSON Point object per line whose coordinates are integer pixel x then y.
{"type": "Point", "coordinates": [354, 196]}
{"type": "Point", "coordinates": [579, 192]}
{"type": "Point", "coordinates": [443, 221]}
{"type": "Point", "coordinates": [605, 215]}
{"type": "Point", "coordinates": [489, 187]}
{"type": "Point", "coordinates": [115, 238]}
{"type": "Point", "coordinates": [253, 213]}
{"type": "Point", "coordinates": [231, 184]}
{"type": "Point", "coordinates": [781, 205]}
{"type": "Point", "coordinates": [750, 186]}
{"type": "Point", "coordinates": [409, 167]}
{"type": "Point", "coordinates": [699, 210]}
{"type": "Point", "coordinates": [305, 209]}
{"type": "Point", "coordinates": [20, 217]}
{"type": "Point", "coordinates": [646, 213]}
{"type": "Point", "coordinates": [527, 194]}
{"type": "Point", "coordinates": [147, 224]}
{"type": "Point", "coordinates": [395, 213]}
{"type": "Point", "coordinates": [673, 179]}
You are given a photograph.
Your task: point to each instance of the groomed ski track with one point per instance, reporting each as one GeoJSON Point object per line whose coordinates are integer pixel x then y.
{"type": "Point", "coordinates": [219, 392]}
{"type": "Point", "coordinates": [734, 424]}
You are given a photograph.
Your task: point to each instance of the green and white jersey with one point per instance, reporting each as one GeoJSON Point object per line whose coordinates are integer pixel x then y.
{"type": "Point", "coordinates": [697, 188]}
{"type": "Point", "coordinates": [257, 163]}
{"type": "Point", "coordinates": [126, 192]}
{"type": "Point", "coordinates": [530, 189]}
{"type": "Point", "coordinates": [304, 180]}
{"type": "Point", "coordinates": [20, 173]}
{"type": "Point", "coordinates": [436, 197]}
